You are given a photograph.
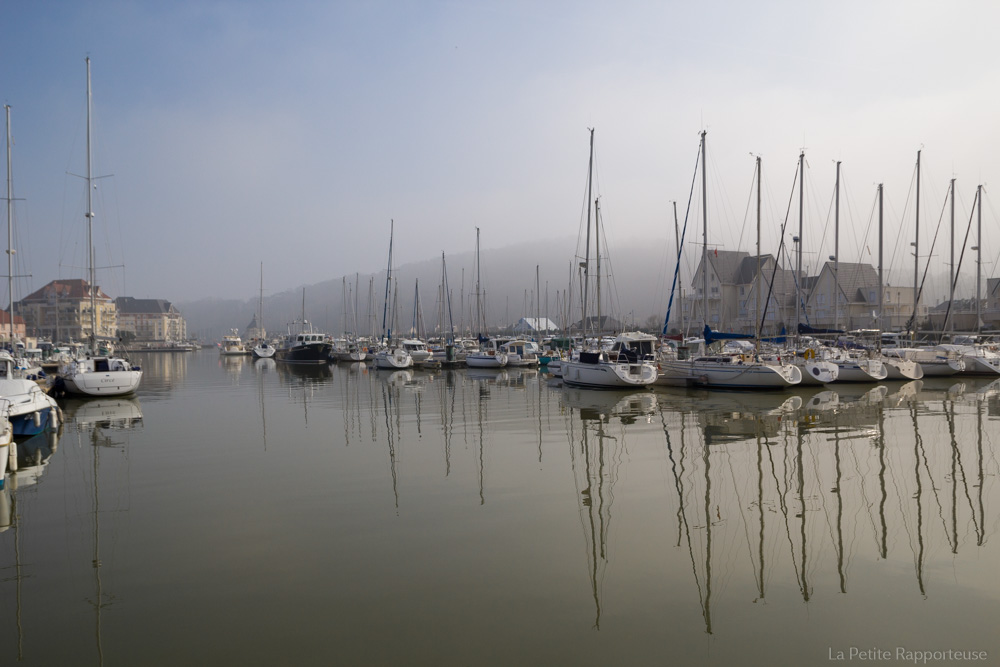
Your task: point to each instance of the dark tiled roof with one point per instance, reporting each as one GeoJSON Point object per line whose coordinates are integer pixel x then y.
{"type": "Point", "coordinates": [75, 289]}
{"type": "Point", "coordinates": [132, 306]}
{"type": "Point", "coordinates": [5, 319]}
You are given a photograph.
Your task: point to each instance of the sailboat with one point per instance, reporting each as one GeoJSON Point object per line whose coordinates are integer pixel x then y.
{"type": "Point", "coordinates": [596, 368]}
{"type": "Point", "coordinates": [29, 409]}
{"type": "Point", "coordinates": [262, 349]}
{"type": "Point", "coordinates": [392, 356]}
{"type": "Point", "coordinates": [97, 374]}
{"type": "Point", "coordinates": [728, 371]}
{"type": "Point", "coordinates": [815, 369]}
{"type": "Point", "coordinates": [489, 355]}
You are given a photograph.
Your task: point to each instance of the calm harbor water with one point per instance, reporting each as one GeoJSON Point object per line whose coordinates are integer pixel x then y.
{"type": "Point", "coordinates": [239, 512]}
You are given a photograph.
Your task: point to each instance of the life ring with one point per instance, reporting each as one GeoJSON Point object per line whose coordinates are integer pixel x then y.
{"type": "Point", "coordinates": [809, 354]}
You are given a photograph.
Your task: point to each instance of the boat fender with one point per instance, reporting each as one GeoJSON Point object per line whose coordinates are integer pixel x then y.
{"type": "Point", "coordinates": [12, 456]}
{"type": "Point", "coordinates": [54, 418]}
{"type": "Point", "coordinates": [37, 418]}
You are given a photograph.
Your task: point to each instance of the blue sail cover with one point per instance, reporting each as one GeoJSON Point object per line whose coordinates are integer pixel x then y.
{"type": "Point", "coordinates": [712, 336]}
{"type": "Point", "coordinates": [808, 330]}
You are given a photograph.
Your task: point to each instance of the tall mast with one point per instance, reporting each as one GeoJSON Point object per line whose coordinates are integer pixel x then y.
{"type": "Point", "coordinates": [677, 244]}
{"type": "Point", "coordinates": [881, 285]}
{"type": "Point", "coordinates": [704, 232]}
{"type": "Point", "coordinates": [586, 254]}
{"type": "Point", "coordinates": [90, 224]}
{"type": "Point", "coordinates": [479, 310]}
{"type": "Point", "coordinates": [916, 258]}
{"type": "Point", "coordinates": [10, 232]}
{"type": "Point", "coordinates": [836, 252]}
{"type": "Point", "coordinates": [597, 253]}
{"type": "Point", "coordinates": [979, 257]}
{"type": "Point", "coordinates": [951, 265]}
{"type": "Point", "coordinates": [538, 302]}
{"type": "Point", "coordinates": [343, 299]}
{"type": "Point", "coordinates": [260, 306]}
{"type": "Point", "coordinates": [388, 281]}
{"type": "Point", "coordinates": [758, 321]}
{"type": "Point", "coordinates": [798, 262]}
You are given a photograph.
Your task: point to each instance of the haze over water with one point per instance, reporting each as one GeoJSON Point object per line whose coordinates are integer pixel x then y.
{"type": "Point", "coordinates": [239, 512]}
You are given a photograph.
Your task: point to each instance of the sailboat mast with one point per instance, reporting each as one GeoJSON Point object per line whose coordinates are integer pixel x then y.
{"type": "Point", "coordinates": [260, 306]}
{"type": "Point", "coordinates": [10, 233]}
{"type": "Point", "coordinates": [916, 258]}
{"type": "Point", "coordinates": [388, 279]}
{"type": "Point", "coordinates": [951, 264]}
{"type": "Point", "coordinates": [677, 244]}
{"type": "Point", "coordinates": [798, 261]}
{"type": "Point", "coordinates": [479, 314]}
{"type": "Point", "coordinates": [597, 252]}
{"type": "Point", "coordinates": [90, 222]}
{"type": "Point", "coordinates": [881, 284]}
{"type": "Point", "coordinates": [586, 254]}
{"type": "Point", "coordinates": [704, 231]}
{"type": "Point", "coordinates": [538, 299]}
{"type": "Point", "coordinates": [758, 320]}
{"type": "Point", "coordinates": [836, 251]}
{"type": "Point", "coordinates": [979, 258]}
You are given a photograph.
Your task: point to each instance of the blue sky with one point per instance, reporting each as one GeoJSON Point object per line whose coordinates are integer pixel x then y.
{"type": "Point", "coordinates": [292, 132]}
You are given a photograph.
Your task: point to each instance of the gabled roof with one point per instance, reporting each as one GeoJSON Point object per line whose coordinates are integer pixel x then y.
{"type": "Point", "coordinates": [535, 324]}
{"type": "Point", "coordinates": [132, 306]}
{"type": "Point", "coordinates": [75, 289]}
{"type": "Point", "coordinates": [855, 280]}
{"type": "Point", "coordinates": [725, 263]}
{"type": "Point", "coordinates": [746, 270]}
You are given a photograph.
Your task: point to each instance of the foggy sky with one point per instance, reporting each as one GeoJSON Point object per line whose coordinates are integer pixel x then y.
{"type": "Point", "coordinates": [291, 133]}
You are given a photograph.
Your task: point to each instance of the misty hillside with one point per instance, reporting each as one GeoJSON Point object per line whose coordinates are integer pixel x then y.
{"type": "Point", "coordinates": [507, 278]}
{"type": "Point", "coordinates": [641, 272]}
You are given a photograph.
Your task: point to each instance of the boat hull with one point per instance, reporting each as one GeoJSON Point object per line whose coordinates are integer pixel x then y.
{"type": "Point", "coordinates": [393, 360]}
{"type": "Point", "coordinates": [97, 383]}
{"type": "Point", "coordinates": [861, 370]}
{"type": "Point", "coordinates": [903, 369]}
{"type": "Point", "coordinates": [315, 353]}
{"type": "Point", "coordinates": [728, 375]}
{"type": "Point", "coordinates": [482, 360]}
{"type": "Point", "coordinates": [608, 375]}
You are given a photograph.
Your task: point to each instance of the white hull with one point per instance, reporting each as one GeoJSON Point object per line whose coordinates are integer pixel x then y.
{"type": "Point", "coordinates": [484, 360]}
{"type": "Point", "coordinates": [942, 368]}
{"type": "Point", "coordinates": [902, 369]}
{"type": "Point", "coordinates": [98, 383]}
{"type": "Point", "coordinates": [861, 370]}
{"type": "Point", "coordinates": [608, 375]}
{"type": "Point", "coordinates": [266, 352]}
{"type": "Point", "coordinates": [817, 371]}
{"type": "Point", "coordinates": [393, 360]}
{"type": "Point", "coordinates": [977, 365]}
{"type": "Point", "coordinates": [726, 375]}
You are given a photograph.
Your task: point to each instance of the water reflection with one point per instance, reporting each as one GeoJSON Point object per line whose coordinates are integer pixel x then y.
{"type": "Point", "coordinates": [866, 453]}
{"type": "Point", "coordinates": [598, 524]}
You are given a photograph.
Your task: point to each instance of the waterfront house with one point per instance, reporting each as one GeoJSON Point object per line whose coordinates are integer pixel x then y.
{"type": "Point", "coordinates": [150, 320]}
{"type": "Point", "coordinates": [60, 311]}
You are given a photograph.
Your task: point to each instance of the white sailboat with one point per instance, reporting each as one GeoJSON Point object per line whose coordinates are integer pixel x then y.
{"type": "Point", "coordinates": [97, 374]}
{"type": "Point", "coordinates": [262, 349]}
{"type": "Point", "coordinates": [595, 368]}
{"type": "Point", "coordinates": [392, 356]}
{"type": "Point", "coordinates": [726, 371]}
{"type": "Point", "coordinates": [487, 354]}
